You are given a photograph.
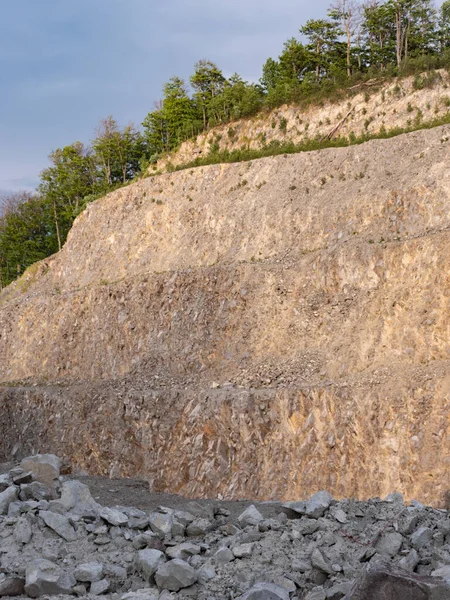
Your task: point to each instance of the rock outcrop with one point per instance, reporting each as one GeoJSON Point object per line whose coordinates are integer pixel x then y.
{"type": "Point", "coordinates": [251, 330]}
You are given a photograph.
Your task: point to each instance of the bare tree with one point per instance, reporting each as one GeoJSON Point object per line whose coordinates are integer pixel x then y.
{"type": "Point", "coordinates": [348, 14]}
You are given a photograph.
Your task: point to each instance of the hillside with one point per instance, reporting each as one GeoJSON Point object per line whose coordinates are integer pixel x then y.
{"type": "Point", "coordinates": [261, 329]}
{"type": "Point", "coordinates": [367, 109]}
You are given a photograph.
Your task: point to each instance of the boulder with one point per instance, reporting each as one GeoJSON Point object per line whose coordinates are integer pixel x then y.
{"type": "Point", "coordinates": [161, 524]}
{"type": "Point", "coordinates": [250, 516]}
{"type": "Point", "coordinates": [175, 575]}
{"type": "Point", "coordinates": [9, 495]}
{"type": "Point", "coordinates": [266, 591]}
{"type": "Point", "coordinates": [76, 499]}
{"type": "Point", "coordinates": [144, 594]}
{"type": "Point", "coordinates": [383, 581]}
{"type": "Point", "coordinates": [22, 531]}
{"type": "Point", "coordinates": [45, 469]}
{"type": "Point", "coordinates": [421, 537]}
{"type": "Point", "coordinates": [389, 544]}
{"type": "Point", "coordinates": [89, 572]}
{"type": "Point", "coordinates": [43, 577]}
{"type": "Point", "coordinates": [147, 562]}
{"type": "Point", "coordinates": [199, 527]}
{"type": "Point", "coordinates": [12, 586]}
{"type": "Point", "coordinates": [113, 516]}
{"type": "Point", "coordinates": [183, 551]}
{"type": "Point", "coordinates": [99, 587]}
{"type": "Point", "coordinates": [318, 504]}
{"type": "Point", "coordinates": [60, 524]}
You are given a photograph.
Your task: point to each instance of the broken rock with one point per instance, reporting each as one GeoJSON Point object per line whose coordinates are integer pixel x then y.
{"type": "Point", "coordinates": [43, 577]}
{"type": "Point", "coordinates": [175, 575]}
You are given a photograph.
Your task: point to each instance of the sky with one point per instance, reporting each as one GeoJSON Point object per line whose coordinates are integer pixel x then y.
{"type": "Point", "coordinates": [65, 64]}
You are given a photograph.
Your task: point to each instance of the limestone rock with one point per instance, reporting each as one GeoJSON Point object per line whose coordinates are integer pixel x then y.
{"type": "Point", "coordinates": [12, 586]}
{"type": "Point", "coordinates": [89, 572]}
{"type": "Point", "coordinates": [250, 516]}
{"type": "Point", "coordinates": [113, 516]}
{"type": "Point", "coordinates": [421, 537]}
{"type": "Point", "coordinates": [266, 591]}
{"type": "Point", "coordinates": [199, 527]}
{"type": "Point", "coordinates": [44, 467]}
{"type": "Point", "coordinates": [175, 575]}
{"type": "Point", "coordinates": [144, 594]}
{"type": "Point", "coordinates": [22, 531]}
{"type": "Point", "coordinates": [147, 562]}
{"type": "Point", "coordinates": [6, 497]}
{"type": "Point", "coordinates": [318, 504]}
{"type": "Point", "coordinates": [161, 524]}
{"type": "Point", "coordinates": [44, 578]}
{"type": "Point", "coordinates": [60, 524]}
{"type": "Point", "coordinates": [100, 587]}
{"type": "Point", "coordinates": [386, 582]}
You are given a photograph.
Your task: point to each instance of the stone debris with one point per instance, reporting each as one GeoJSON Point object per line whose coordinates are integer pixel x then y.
{"type": "Point", "coordinates": [58, 541]}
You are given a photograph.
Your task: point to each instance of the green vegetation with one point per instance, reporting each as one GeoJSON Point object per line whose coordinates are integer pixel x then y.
{"type": "Point", "coordinates": [332, 57]}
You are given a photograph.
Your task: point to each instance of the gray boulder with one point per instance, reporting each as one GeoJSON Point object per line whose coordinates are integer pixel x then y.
{"type": "Point", "coordinates": [44, 578]}
{"type": "Point", "coordinates": [147, 562]}
{"type": "Point", "coordinates": [22, 531]}
{"type": "Point", "coordinates": [89, 572]}
{"type": "Point", "coordinates": [161, 524]}
{"type": "Point", "coordinates": [60, 524]}
{"type": "Point", "coordinates": [318, 504]}
{"type": "Point", "coordinates": [9, 495]}
{"type": "Point", "coordinates": [113, 516]}
{"type": "Point", "coordinates": [250, 516]}
{"type": "Point", "coordinates": [45, 469]}
{"type": "Point", "coordinates": [383, 581]}
{"type": "Point", "coordinates": [100, 587]}
{"type": "Point", "coordinates": [421, 537]}
{"type": "Point", "coordinates": [12, 586]}
{"type": "Point", "coordinates": [144, 594]}
{"type": "Point", "coordinates": [266, 591]}
{"type": "Point", "coordinates": [389, 544]}
{"type": "Point", "coordinates": [183, 551]}
{"type": "Point", "coordinates": [175, 575]}
{"type": "Point", "coordinates": [199, 527]}
{"type": "Point", "coordinates": [76, 499]}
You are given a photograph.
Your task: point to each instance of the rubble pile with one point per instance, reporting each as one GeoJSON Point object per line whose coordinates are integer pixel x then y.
{"type": "Point", "coordinates": [56, 540]}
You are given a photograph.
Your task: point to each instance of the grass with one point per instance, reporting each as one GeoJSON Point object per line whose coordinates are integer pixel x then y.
{"type": "Point", "coordinates": [276, 148]}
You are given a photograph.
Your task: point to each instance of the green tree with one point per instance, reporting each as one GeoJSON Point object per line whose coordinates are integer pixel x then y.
{"type": "Point", "coordinates": [63, 186]}
{"type": "Point", "coordinates": [208, 82]}
{"type": "Point", "coordinates": [323, 36]}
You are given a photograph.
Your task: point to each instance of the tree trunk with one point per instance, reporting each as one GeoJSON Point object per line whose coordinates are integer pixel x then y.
{"type": "Point", "coordinates": [58, 236]}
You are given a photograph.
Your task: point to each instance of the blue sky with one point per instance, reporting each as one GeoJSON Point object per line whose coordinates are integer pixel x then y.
{"type": "Point", "coordinates": [65, 64]}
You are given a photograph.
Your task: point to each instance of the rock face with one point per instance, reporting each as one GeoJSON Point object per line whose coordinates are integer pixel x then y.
{"type": "Point", "coordinates": [251, 330]}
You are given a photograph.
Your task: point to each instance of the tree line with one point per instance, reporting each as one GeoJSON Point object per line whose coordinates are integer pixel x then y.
{"type": "Point", "coordinates": [354, 41]}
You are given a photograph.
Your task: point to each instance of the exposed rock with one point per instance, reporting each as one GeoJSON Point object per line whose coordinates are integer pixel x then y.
{"type": "Point", "coordinates": [45, 469]}
{"type": "Point", "coordinates": [89, 572]}
{"type": "Point", "coordinates": [12, 586]}
{"type": "Point", "coordinates": [421, 537]}
{"type": "Point", "coordinates": [76, 498]}
{"type": "Point", "coordinates": [161, 524]}
{"type": "Point", "coordinates": [223, 555]}
{"type": "Point", "coordinates": [386, 582]}
{"type": "Point", "coordinates": [175, 575]}
{"type": "Point", "coordinates": [318, 504]}
{"type": "Point", "coordinates": [60, 524]}
{"type": "Point", "coordinates": [22, 531]}
{"type": "Point", "coordinates": [199, 527]}
{"type": "Point", "coordinates": [45, 578]}
{"type": "Point", "coordinates": [147, 562]}
{"type": "Point", "coordinates": [250, 516]}
{"type": "Point", "coordinates": [243, 550]}
{"type": "Point", "coordinates": [266, 591]}
{"type": "Point", "coordinates": [100, 587]}
{"type": "Point", "coordinates": [6, 497]}
{"type": "Point", "coordinates": [144, 594]}
{"type": "Point", "coordinates": [321, 562]}
{"type": "Point", "coordinates": [183, 551]}
{"type": "Point", "coordinates": [389, 544]}
{"type": "Point", "coordinates": [113, 516]}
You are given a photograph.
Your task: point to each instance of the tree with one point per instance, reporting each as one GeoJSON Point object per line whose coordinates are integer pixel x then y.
{"type": "Point", "coordinates": [323, 36]}
{"type": "Point", "coordinates": [208, 82]}
{"type": "Point", "coordinates": [24, 234]}
{"type": "Point", "coordinates": [179, 113]}
{"type": "Point", "coordinates": [444, 26]}
{"type": "Point", "coordinates": [379, 29]}
{"type": "Point", "coordinates": [347, 14]}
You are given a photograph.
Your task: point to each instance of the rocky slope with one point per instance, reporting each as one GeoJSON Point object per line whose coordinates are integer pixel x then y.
{"type": "Point", "coordinates": [264, 329]}
{"type": "Point", "coordinates": [57, 540]}
{"type": "Point", "coordinates": [368, 109]}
